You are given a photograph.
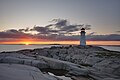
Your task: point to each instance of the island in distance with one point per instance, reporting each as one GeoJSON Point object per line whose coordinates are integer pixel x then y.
{"type": "Point", "coordinates": [75, 62]}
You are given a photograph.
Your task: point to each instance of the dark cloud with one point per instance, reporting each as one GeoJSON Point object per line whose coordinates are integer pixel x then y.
{"type": "Point", "coordinates": [21, 30]}
{"type": "Point", "coordinates": [110, 37]}
{"type": "Point", "coordinates": [59, 30]}
{"type": "Point", "coordinates": [42, 30]}
{"type": "Point", "coordinates": [12, 33]}
{"type": "Point", "coordinates": [87, 27]}
{"type": "Point", "coordinates": [61, 23]}
{"type": "Point", "coordinates": [25, 30]}
{"type": "Point", "coordinates": [92, 33]}
{"type": "Point", "coordinates": [49, 25]}
{"type": "Point", "coordinates": [17, 35]}
{"type": "Point", "coordinates": [58, 26]}
{"type": "Point", "coordinates": [118, 31]}
{"type": "Point", "coordinates": [64, 25]}
{"type": "Point", "coordinates": [53, 31]}
{"type": "Point", "coordinates": [70, 28]}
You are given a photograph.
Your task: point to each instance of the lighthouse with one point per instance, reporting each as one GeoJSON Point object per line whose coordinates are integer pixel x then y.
{"type": "Point", "coordinates": [82, 37]}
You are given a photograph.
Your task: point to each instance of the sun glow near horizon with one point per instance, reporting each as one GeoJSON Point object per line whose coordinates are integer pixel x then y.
{"type": "Point", "coordinates": [64, 42]}
{"type": "Point", "coordinates": [26, 43]}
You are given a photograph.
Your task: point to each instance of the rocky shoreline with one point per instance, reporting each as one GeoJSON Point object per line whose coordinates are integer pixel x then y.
{"type": "Point", "coordinates": [79, 62]}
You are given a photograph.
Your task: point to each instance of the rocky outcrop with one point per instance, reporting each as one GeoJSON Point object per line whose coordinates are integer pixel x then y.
{"type": "Point", "coordinates": [72, 68]}
{"type": "Point", "coordinates": [90, 61]}
{"type": "Point", "coordinates": [42, 62]}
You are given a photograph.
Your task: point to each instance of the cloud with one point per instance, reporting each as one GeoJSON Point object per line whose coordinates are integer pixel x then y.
{"type": "Point", "coordinates": [110, 37]}
{"type": "Point", "coordinates": [59, 30]}
{"type": "Point", "coordinates": [25, 30]}
{"type": "Point", "coordinates": [70, 28]}
{"type": "Point", "coordinates": [92, 33]}
{"type": "Point", "coordinates": [63, 25]}
{"type": "Point", "coordinates": [42, 30]}
{"type": "Point", "coordinates": [49, 25]}
{"type": "Point", "coordinates": [12, 33]}
{"type": "Point", "coordinates": [118, 31]}
{"type": "Point", "coordinates": [87, 27]}
{"type": "Point", "coordinates": [60, 23]}
{"type": "Point", "coordinates": [57, 26]}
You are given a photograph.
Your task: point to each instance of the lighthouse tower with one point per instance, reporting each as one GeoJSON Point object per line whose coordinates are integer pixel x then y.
{"type": "Point", "coordinates": [82, 37]}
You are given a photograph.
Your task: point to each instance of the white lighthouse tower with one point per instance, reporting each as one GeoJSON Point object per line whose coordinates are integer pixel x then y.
{"type": "Point", "coordinates": [82, 37]}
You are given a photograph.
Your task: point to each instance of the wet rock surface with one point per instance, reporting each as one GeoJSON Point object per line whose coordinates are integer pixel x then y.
{"type": "Point", "coordinates": [90, 62]}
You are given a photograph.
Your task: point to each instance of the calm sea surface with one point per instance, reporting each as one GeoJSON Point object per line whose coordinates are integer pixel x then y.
{"type": "Point", "coordinates": [20, 47]}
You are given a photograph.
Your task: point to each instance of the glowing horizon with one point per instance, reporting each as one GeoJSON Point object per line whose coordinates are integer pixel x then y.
{"type": "Point", "coordinates": [64, 42]}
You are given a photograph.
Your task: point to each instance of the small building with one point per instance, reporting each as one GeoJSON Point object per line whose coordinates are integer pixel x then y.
{"type": "Point", "coordinates": [83, 37]}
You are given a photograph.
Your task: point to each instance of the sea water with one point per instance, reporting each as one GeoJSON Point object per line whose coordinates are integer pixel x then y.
{"type": "Point", "coordinates": [20, 47]}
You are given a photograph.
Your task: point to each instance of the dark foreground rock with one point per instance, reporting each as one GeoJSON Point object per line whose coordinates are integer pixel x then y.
{"type": "Point", "coordinates": [90, 62]}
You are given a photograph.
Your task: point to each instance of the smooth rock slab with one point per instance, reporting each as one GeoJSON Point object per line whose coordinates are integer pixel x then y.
{"type": "Point", "coordinates": [22, 72]}
{"type": "Point", "coordinates": [73, 69]}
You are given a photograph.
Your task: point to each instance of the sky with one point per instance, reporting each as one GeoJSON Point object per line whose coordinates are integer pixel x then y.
{"type": "Point", "coordinates": [59, 20]}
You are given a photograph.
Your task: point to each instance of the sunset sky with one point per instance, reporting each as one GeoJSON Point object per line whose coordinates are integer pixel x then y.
{"type": "Point", "coordinates": [59, 21]}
